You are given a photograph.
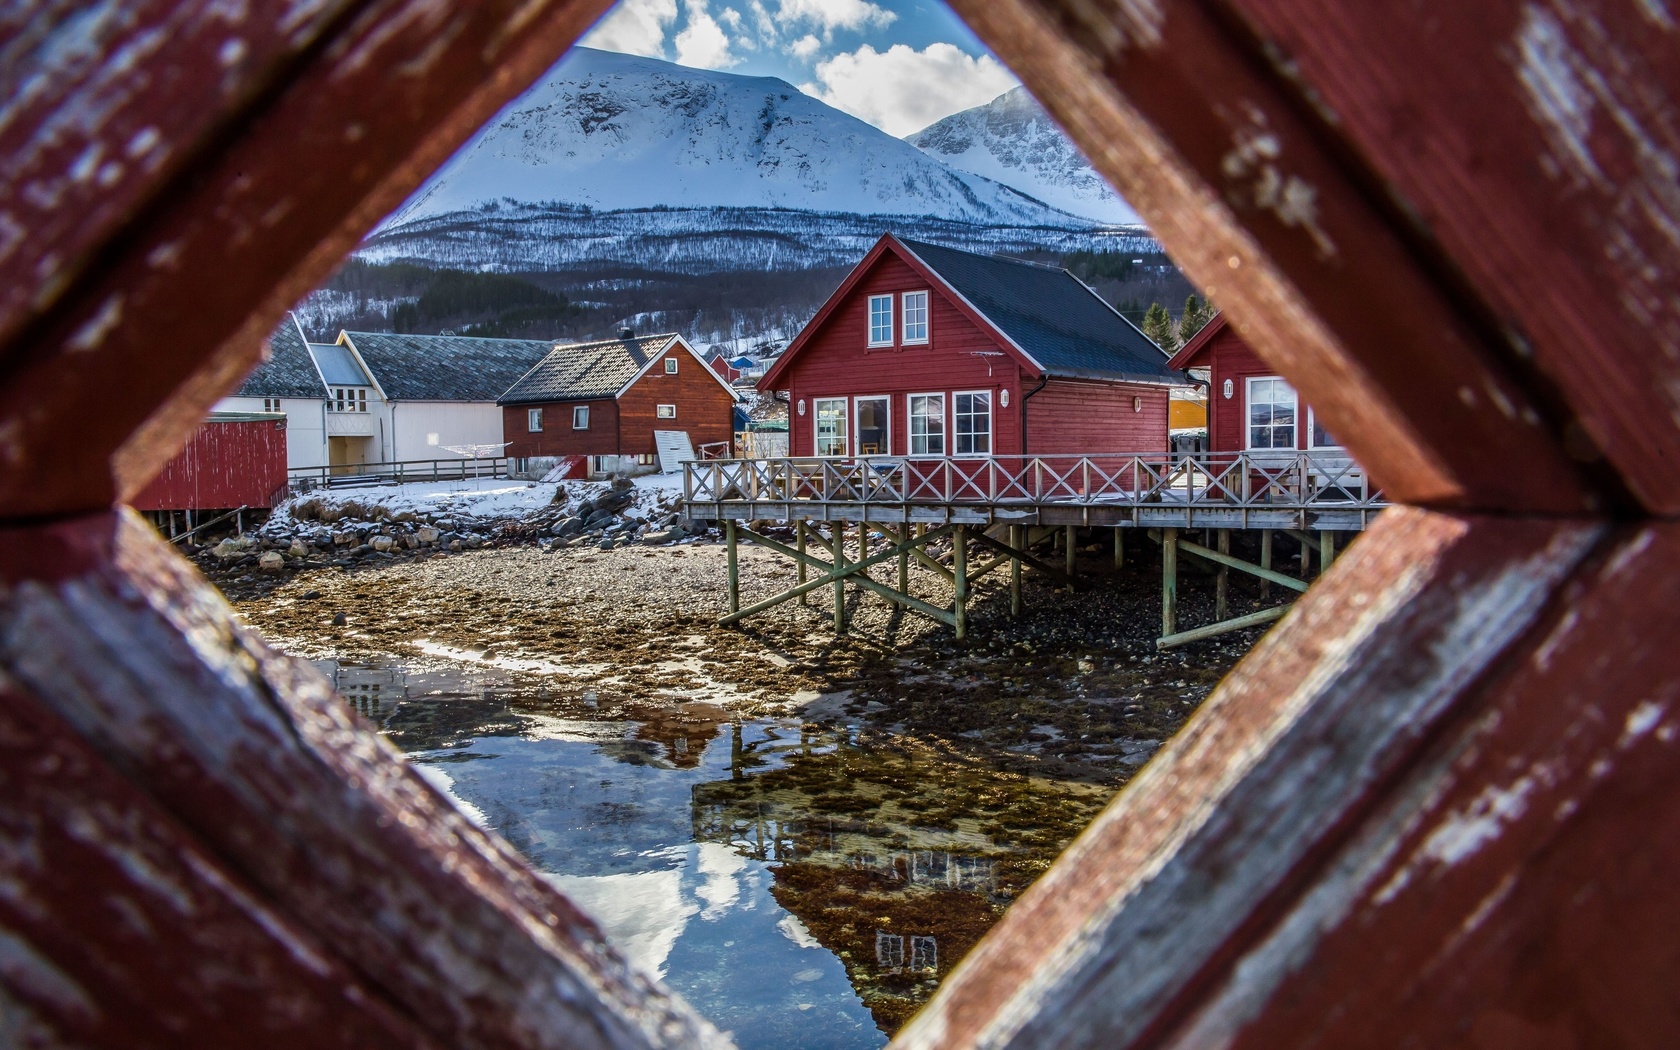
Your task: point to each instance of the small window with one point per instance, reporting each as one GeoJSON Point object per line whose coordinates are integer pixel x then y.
{"type": "Point", "coordinates": [915, 317]}
{"type": "Point", "coordinates": [972, 422]}
{"type": "Point", "coordinates": [666, 411]}
{"type": "Point", "coordinates": [580, 417]}
{"type": "Point", "coordinates": [646, 459]}
{"type": "Point", "coordinates": [271, 404]}
{"type": "Point", "coordinates": [880, 320]}
{"type": "Point", "coordinates": [1271, 413]}
{"type": "Point", "coordinates": [831, 426]}
{"type": "Point", "coordinates": [927, 424]}
{"type": "Point", "coordinates": [533, 420]}
{"type": "Point", "coordinates": [670, 366]}
{"type": "Point", "coordinates": [361, 400]}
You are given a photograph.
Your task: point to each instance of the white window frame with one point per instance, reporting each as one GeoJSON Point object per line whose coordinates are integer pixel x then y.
{"type": "Point", "coordinates": [904, 315]}
{"type": "Point", "coordinates": [533, 420]}
{"type": "Point", "coordinates": [991, 424]}
{"type": "Point", "coordinates": [944, 423]}
{"type": "Point", "coordinates": [670, 366]}
{"type": "Point", "coordinates": [817, 404]}
{"type": "Point", "coordinates": [1312, 436]}
{"type": "Point", "coordinates": [665, 411]}
{"type": "Point", "coordinates": [870, 320]}
{"type": "Point", "coordinates": [580, 412]}
{"type": "Point", "coordinates": [1248, 409]}
{"type": "Point", "coordinates": [857, 429]}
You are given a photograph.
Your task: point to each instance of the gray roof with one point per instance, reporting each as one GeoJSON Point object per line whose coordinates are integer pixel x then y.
{"type": "Point", "coordinates": [1050, 314]}
{"type": "Point", "coordinates": [338, 365]}
{"type": "Point", "coordinates": [288, 372]}
{"type": "Point", "coordinates": [586, 371]}
{"type": "Point", "coordinates": [446, 367]}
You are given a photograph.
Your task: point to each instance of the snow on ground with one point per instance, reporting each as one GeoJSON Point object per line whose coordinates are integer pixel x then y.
{"type": "Point", "coordinates": [483, 499]}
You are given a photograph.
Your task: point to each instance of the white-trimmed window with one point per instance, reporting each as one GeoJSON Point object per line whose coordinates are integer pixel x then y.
{"type": "Point", "coordinates": [971, 422]}
{"type": "Point", "coordinates": [533, 420]}
{"type": "Point", "coordinates": [880, 320]}
{"type": "Point", "coordinates": [1271, 413]}
{"type": "Point", "coordinates": [580, 417]}
{"type": "Point", "coordinates": [348, 399]}
{"type": "Point", "coordinates": [1317, 435]}
{"type": "Point", "coordinates": [872, 423]}
{"type": "Point", "coordinates": [666, 411]}
{"type": "Point", "coordinates": [670, 366]}
{"type": "Point", "coordinates": [830, 425]}
{"type": "Point", "coordinates": [271, 404]}
{"type": "Point", "coordinates": [927, 424]}
{"type": "Point", "coordinates": [915, 317]}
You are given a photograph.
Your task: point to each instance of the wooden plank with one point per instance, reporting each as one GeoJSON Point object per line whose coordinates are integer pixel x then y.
{"type": "Point", "coordinates": [375, 106]}
{"type": "Point", "coordinates": [1222, 559]}
{"type": "Point", "coordinates": [1141, 908]}
{"type": "Point", "coordinates": [855, 571]}
{"type": "Point", "coordinates": [1566, 228]}
{"type": "Point", "coordinates": [1517, 888]}
{"type": "Point", "coordinates": [1261, 211]}
{"type": "Point", "coordinates": [1214, 630]}
{"type": "Point", "coordinates": [252, 754]}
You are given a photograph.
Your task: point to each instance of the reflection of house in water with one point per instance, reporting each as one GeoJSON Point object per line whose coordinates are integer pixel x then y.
{"type": "Point", "coordinates": [682, 731]}
{"type": "Point", "coordinates": [371, 691]}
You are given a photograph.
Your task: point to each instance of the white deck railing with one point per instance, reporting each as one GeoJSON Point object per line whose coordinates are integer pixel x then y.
{"type": "Point", "coordinates": [1241, 480]}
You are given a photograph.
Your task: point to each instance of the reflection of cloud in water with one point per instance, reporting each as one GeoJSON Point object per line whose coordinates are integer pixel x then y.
{"type": "Point", "coordinates": [446, 786]}
{"type": "Point", "coordinates": [642, 913]}
{"type": "Point", "coordinates": [722, 868]}
{"type": "Point", "coordinates": [795, 931]}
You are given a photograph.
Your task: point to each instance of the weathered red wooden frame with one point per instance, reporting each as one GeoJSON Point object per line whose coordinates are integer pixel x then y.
{"type": "Point", "coordinates": [1437, 805]}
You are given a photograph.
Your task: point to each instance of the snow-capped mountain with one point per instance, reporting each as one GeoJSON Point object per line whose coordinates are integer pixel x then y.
{"type": "Point", "coordinates": [1012, 140]}
{"type": "Point", "coordinates": [614, 132]}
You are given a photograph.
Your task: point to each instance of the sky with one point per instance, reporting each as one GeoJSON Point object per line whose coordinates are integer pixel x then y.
{"type": "Point", "coordinates": [898, 64]}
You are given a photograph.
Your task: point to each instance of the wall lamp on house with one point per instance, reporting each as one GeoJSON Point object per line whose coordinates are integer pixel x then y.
{"type": "Point", "coordinates": [1003, 399]}
{"type": "Point", "coordinates": [801, 406]}
{"type": "Point", "coordinates": [1137, 404]}
{"type": "Point", "coordinates": [1228, 389]}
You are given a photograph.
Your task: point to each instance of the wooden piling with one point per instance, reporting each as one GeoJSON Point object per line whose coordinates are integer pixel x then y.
{"type": "Point", "coordinates": [800, 530]}
{"type": "Point", "coordinates": [1017, 536]}
{"type": "Point", "coordinates": [1326, 550]}
{"type": "Point", "coordinates": [1222, 579]}
{"type": "Point", "coordinates": [732, 548]}
{"type": "Point", "coordinates": [903, 562]}
{"type": "Point", "coordinates": [1265, 562]}
{"type": "Point", "coordinates": [1070, 543]}
{"type": "Point", "coordinates": [1119, 548]}
{"type": "Point", "coordinates": [837, 547]}
{"type": "Point", "coordinates": [1169, 582]}
{"type": "Point", "coordinates": [959, 566]}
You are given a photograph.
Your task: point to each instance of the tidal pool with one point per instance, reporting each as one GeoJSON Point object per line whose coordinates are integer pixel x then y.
{"type": "Point", "coordinates": [801, 884]}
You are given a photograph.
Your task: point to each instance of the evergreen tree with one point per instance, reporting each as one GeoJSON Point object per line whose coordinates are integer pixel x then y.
{"type": "Point", "coordinates": [1197, 313]}
{"type": "Point", "coordinates": [1158, 326]}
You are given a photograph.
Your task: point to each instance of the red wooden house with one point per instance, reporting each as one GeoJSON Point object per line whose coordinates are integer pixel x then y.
{"type": "Point", "coordinates": [235, 459]}
{"type": "Point", "coordinates": [605, 399]}
{"type": "Point", "coordinates": [1250, 407]}
{"type": "Point", "coordinates": [720, 364]}
{"type": "Point", "coordinates": [931, 351]}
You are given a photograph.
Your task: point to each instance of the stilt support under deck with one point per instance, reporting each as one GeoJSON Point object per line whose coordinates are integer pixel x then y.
{"type": "Point", "coordinates": [1169, 582]}
{"type": "Point", "coordinates": [733, 545]}
{"type": "Point", "coordinates": [959, 569]}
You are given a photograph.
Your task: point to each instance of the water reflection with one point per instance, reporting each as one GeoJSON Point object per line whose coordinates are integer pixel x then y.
{"type": "Point", "coordinates": [801, 886]}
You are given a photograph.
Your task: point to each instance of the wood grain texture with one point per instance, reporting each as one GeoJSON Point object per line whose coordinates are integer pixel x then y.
{"type": "Point", "coordinates": [359, 121]}
{"type": "Point", "coordinates": [1516, 890]}
{"type": "Point", "coordinates": [1264, 215]}
{"type": "Point", "coordinates": [253, 755]}
{"type": "Point", "coordinates": [1235, 810]}
{"type": "Point", "coordinates": [1557, 193]}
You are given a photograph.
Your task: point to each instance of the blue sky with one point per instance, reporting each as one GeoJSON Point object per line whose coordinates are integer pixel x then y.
{"type": "Point", "coordinates": [899, 64]}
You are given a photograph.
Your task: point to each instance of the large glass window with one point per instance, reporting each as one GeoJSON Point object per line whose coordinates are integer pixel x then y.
{"type": "Point", "coordinates": [831, 426]}
{"type": "Point", "coordinates": [927, 424]}
{"type": "Point", "coordinates": [972, 420]}
{"type": "Point", "coordinates": [915, 317]}
{"type": "Point", "coordinates": [873, 426]}
{"type": "Point", "coordinates": [533, 420]}
{"type": "Point", "coordinates": [880, 320]}
{"type": "Point", "coordinates": [1271, 413]}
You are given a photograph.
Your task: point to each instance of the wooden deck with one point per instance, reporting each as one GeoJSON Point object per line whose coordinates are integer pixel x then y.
{"type": "Point", "coordinates": [1310, 491]}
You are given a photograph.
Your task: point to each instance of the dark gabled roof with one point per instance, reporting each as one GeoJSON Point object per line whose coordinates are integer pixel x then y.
{"type": "Point", "coordinates": [1187, 354]}
{"type": "Point", "coordinates": [1052, 316]}
{"type": "Point", "coordinates": [446, 367]}
{"type": "Point", "coordinates": [586, 371]}
{"type": "Point", "coordinates": [288, 372]}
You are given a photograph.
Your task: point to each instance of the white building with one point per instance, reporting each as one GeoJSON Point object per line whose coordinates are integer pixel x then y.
{"type": "Point", "coordinates": [375, 398]}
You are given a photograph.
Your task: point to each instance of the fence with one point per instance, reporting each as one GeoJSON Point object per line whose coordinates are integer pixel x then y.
{"type": "Point", "coordinates": [349, 475]}
{"type": "Point", "coordinates": [1234, 481]}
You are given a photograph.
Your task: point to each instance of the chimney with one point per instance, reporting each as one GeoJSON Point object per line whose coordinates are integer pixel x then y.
{"type": "Point", "coordinates": [627, 333]}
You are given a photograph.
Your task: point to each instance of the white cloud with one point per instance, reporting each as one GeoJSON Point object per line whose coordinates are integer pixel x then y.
{"type": "Point", "coordinates": [703, 43]}
{"type": "Point", "coordinates": [635, 27]}
{"type": "Point", "coordinates": [902, 90]}
{"type": "Point", "coordinates": [830, 15]}
{"type": "Point", "coordinates": [804, 47]}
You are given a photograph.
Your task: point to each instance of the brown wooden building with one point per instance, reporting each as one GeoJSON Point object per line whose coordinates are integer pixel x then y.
{"type": "Point", "coordinates": [605, 399]}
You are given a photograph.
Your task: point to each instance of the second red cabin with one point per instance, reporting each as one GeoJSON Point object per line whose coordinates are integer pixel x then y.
{"type": "Point", "coordinates": [931, 351]}
{"type": "Point", "coordinates": [1250, 407]}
